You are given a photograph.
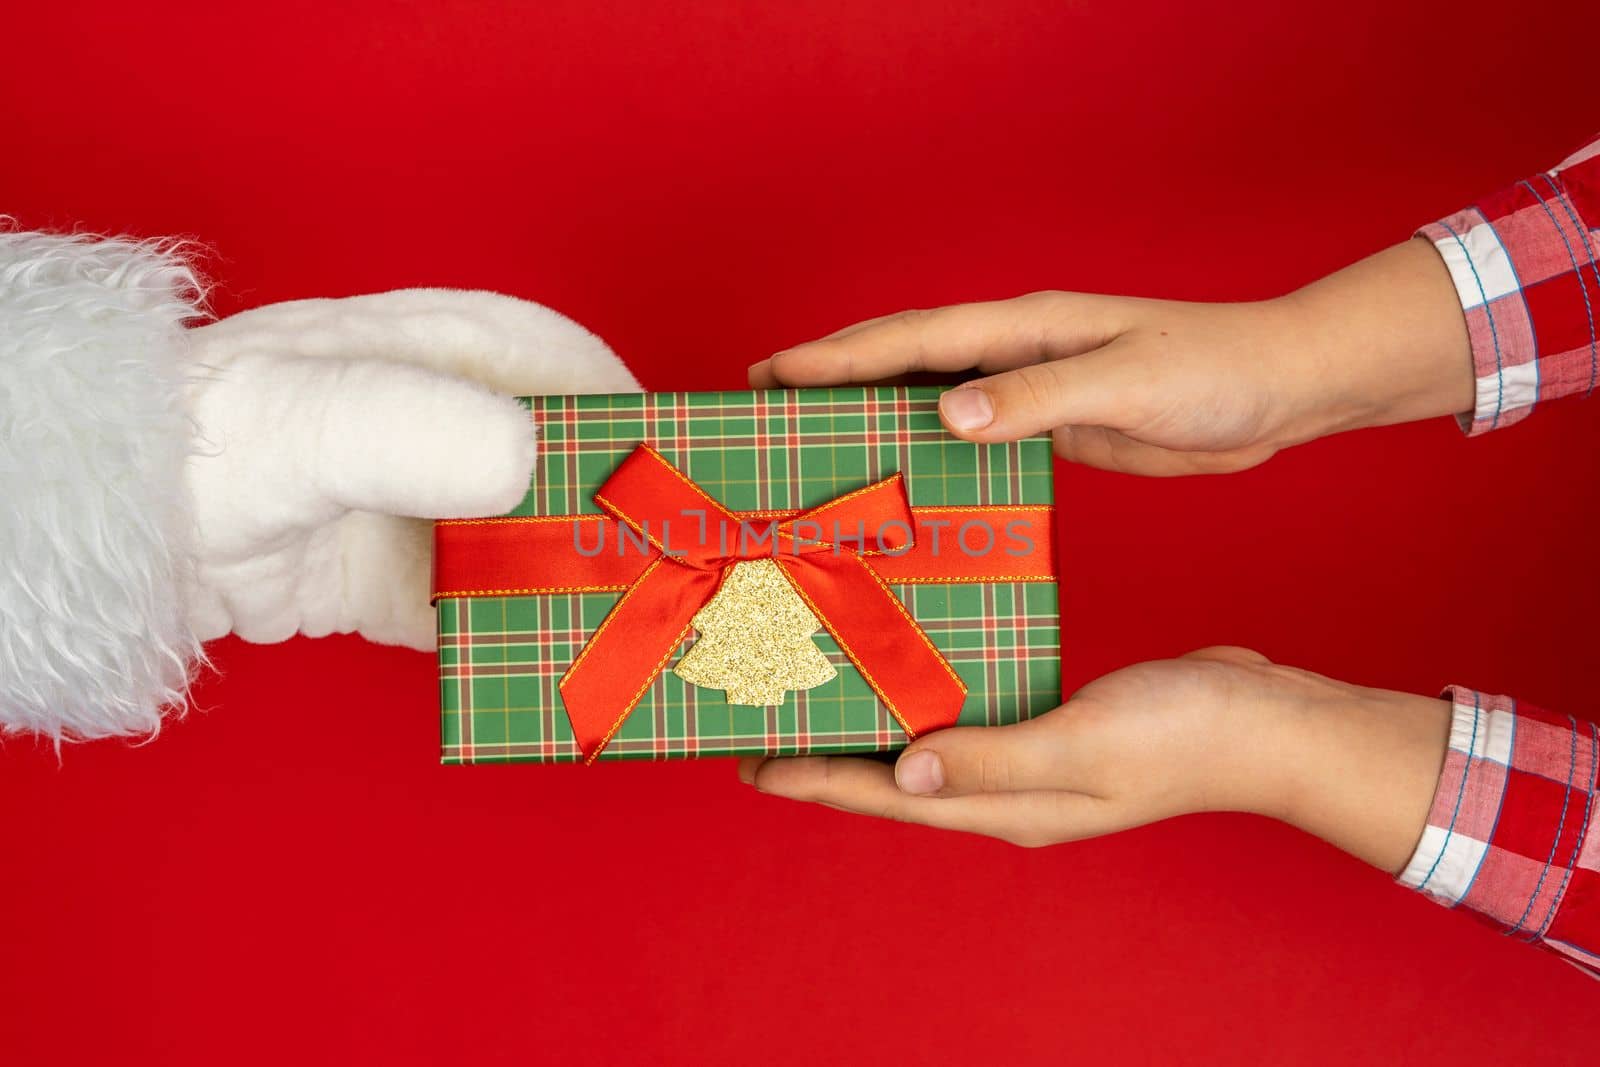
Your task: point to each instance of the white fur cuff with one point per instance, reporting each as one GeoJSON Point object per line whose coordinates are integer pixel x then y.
{"type": "Point", "coordinates": [94, 524]}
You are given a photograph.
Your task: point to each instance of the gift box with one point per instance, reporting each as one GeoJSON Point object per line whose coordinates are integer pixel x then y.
{"type": "Point", "coordinates": [778, 572]}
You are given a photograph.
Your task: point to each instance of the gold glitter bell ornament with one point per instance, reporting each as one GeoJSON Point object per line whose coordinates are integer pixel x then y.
{"type": "Point", "coordinates": [755, 639]}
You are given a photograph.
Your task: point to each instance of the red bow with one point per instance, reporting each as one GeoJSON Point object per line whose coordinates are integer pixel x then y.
{"type": "Point", "coordinates": [863, 615]}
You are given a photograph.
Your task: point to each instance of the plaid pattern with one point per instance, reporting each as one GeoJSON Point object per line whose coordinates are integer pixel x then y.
{"type": "Point", "coordinates": [1511, 831]}
{"type": "Point", "coordinates": [501, 658]}
{"type": "Point", "coordinates": [1526, 266]}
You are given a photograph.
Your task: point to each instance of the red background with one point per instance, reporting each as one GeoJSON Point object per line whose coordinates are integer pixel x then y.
{"type": "Point", "coordinates": [289, 876]}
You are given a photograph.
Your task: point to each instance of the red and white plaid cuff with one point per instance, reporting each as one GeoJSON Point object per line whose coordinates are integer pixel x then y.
{"type": "Point", "coordinates": [1510, 835]}
{"type": "Point", "coordinates": [1526, 266]}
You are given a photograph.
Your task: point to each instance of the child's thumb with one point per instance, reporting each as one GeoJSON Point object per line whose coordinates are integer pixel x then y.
{"type": "Point", "coordinates": [1094, 389]}
{"type": "Point", "coordinates": [985, 759]}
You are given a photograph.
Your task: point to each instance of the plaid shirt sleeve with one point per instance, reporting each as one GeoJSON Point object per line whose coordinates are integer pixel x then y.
{"type": "Point", "coordinates": [1526, 266]}
{"type": "Point", "coordinates": [1511, 834]}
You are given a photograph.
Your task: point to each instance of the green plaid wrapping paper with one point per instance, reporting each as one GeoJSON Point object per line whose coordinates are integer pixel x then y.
{"type": "Point", "coordinates": [502, 658]}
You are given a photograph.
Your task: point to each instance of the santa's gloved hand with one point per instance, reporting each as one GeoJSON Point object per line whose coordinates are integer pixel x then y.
{"type": "Point", "coordinates": [324, 426]}
{"type": "Point", "coordinates": [269, 474]}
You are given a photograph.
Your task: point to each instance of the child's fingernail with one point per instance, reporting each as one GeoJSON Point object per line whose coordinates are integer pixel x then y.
{"type": "Point", "coordinates": [919, 773]}
{"type": "Point", "coordinates": [747, 770]}
{"type": "Point", "coordinates": [966, 409]}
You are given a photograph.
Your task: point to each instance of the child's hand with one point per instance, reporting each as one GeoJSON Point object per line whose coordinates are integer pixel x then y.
{"type": "Point", "coordinates": [1161, 387]}
{"type": "Point", "coordinates": [1221, 729]}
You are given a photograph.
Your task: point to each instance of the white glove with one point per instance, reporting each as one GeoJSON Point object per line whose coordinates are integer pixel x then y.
{"type": "Point", "coordinates": [323, 425]}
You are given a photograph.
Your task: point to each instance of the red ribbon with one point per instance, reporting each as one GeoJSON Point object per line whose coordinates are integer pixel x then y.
{"type": "Point", "coordinates": [634, 642]}
{"type": "Point", "coordinates": [533, 555]}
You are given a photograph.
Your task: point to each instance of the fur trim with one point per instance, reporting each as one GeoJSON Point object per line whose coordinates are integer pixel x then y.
{"type": "Point", "coordinates": [93, 515]}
